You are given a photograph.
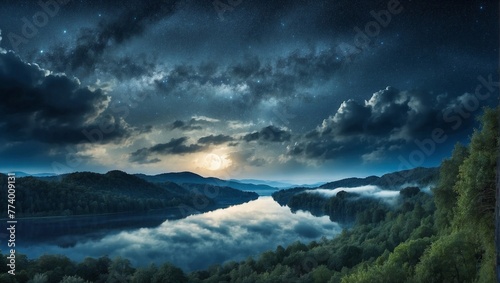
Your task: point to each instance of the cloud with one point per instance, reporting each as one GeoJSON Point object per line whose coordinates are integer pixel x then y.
{"type": "Point", "coordinates": [253, 79]}
{"type": "Point", "coordinates": [365, 191]}
{"type": "Point", "coordinates": [1, 49]}
{"type": "Point", "coordinates": [173, 147]}
{"type": "Point", "coordinates": [268, 134]}
{"type": "Point", "coordinates": [374, 156]}
{"type": "Point", "coordinates": [142, 156]}
{"type": "Point", "coordinates": [178, 124]}
{"type": "Point", "coordinates": [195, 123]}
{"type": "Point", "coordinates": [198, 241]}
{"type": "Point", "coordinates": [390, 120]}
{"type": "Point", "coordinates": [38, 105]}
{"type": "Point", "coordinates": [92, 43]}
{"type": "Point", "coordinates": [215, 140]}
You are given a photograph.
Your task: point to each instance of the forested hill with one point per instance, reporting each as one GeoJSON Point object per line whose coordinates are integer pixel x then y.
{"type": "Point", "coordinates": [419, 176]}
{"type": "Point", "coordinates": [192, 178]}
{"type": "Point", "coordinates": [116, 191]}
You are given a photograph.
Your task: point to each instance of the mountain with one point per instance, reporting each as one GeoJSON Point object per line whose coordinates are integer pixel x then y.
{"type": "Point", "coordinates": [192, 178]}
{"type": "Point", "coordinates": [419, 176]}
{"type": "Point", "coordinates": [121, 183]}
{"type": "Point", "coordinates": [350, 182]}
{"type": "Point", "coordinates": [116, 191]}
{"type": "Point", "coordinates": [20, 174]}
{"type": "Point", "coordinates": [391, 181]}
{"type": "Point", "coordinates": [276, 184]}
{"type": "Point", "coordinates": [348, 205]}
{"type": "Point", "coordinates": [221, 194]}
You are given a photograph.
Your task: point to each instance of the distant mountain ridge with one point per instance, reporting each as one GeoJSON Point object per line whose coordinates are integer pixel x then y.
{"type": "Point", "coordinates": [276, 184]}
{"type": "Point", "coordinates": [21, 174]}
{"type": "Point", "coordinates": [390, 181]}
{"type": "Point", "coordinates": [82, 193]}
{"type": "Point", "coordinates": [419, 176]}
{"type": "Point", "coordinates": [192, 178]}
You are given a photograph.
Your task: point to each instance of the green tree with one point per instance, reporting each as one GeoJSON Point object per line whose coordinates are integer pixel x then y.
{"type": "Point", "coordinates": [73, 279]}
{"type": "Point", "coordinates": [145, 274]}
{"type": "Point", "coordinates": [55, 267]}
{"type": "Point", "coordinates": [168, 273]}
{"type": "Point", "coordinates": [39, 278]}
{"type": "Point", "coordinates": [321, 274]}
{"type": "Point", "coordinates": [445, 195]}
{"type": "Point", "coordinates": [120, 270]}
{"type": "Point", "coordinates": [452, 258]}
{"type": "Point", "coordinates": [476, 189]}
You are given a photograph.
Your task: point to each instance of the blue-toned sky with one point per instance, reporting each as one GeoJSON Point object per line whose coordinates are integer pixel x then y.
{"type": "Point", "coordinates": [301, 91]}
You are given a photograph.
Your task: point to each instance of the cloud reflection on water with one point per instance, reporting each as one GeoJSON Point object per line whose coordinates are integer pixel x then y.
{"type": "Point", "coordinates": [199, 241]}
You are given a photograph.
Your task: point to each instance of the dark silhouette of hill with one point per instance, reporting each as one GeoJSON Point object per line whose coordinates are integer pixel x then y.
{"type": "Point", "coordinates": [192, 178]}
{"type": "Point", "coordinates": [391, 181]}
{"type": "Point", "coordinates": [116, 191]}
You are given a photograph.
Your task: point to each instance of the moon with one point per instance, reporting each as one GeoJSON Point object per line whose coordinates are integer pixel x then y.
{"type": "Point", "coordinates": [213, 162]}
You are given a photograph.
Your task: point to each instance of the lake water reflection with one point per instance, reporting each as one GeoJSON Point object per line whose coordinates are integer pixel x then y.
{"type": "Point", "coordinates": [199, 241]}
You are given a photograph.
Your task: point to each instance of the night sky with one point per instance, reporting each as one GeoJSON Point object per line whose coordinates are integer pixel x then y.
{"type": "Point", "coordinates": [301, 91]}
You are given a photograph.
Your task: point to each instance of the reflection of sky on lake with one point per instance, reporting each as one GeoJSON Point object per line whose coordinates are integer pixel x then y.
{"type": "Point", "coordinates": [199, 241]}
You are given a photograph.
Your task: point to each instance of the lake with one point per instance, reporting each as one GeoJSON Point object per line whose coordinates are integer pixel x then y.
{"type": "Point", "coordinates": [192, 243]}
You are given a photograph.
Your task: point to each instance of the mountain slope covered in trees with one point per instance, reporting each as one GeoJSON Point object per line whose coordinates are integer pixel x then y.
{"type": "Point", "coordinates": [391, 181]}
{"type": "Point", "coordinates": [192, 178]}
{"type": "Point", "coordinates": [116, 191]}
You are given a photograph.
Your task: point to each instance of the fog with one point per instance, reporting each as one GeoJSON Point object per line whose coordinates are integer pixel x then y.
{"type": "Point", "coordinates": [366, 191]}
{"type": "Point", "coordinates": [199, 241]}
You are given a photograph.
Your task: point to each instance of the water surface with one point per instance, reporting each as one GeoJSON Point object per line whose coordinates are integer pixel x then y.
{"type": "Point", "coordinates": [201, 240]}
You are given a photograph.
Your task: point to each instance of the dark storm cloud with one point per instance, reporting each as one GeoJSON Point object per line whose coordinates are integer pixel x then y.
{"type": "Point", "coordinates": [192, 124]}
{"type": "Point", "coordinates": [51, 108]}
{"type": "Point", "coordinates": [268, 134]}
{"type": "Point", "coordinates": [390, 119]}
{"type": "Point", "coordinates": [178, 124]}
{"type": "Point", "coordinates": [173, 147]}
{"type": "Point", "coordinates": [215, 140]}
{"type": "Point", "coordinates": [142, 156]}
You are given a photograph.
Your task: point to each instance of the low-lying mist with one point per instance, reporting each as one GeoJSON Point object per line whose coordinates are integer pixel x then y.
{"type": "Point", "coordinates": [372, 191]}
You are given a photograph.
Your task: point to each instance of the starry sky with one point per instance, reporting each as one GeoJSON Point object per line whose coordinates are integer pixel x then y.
{"type": "Point", "coordinates": [300, 91]}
